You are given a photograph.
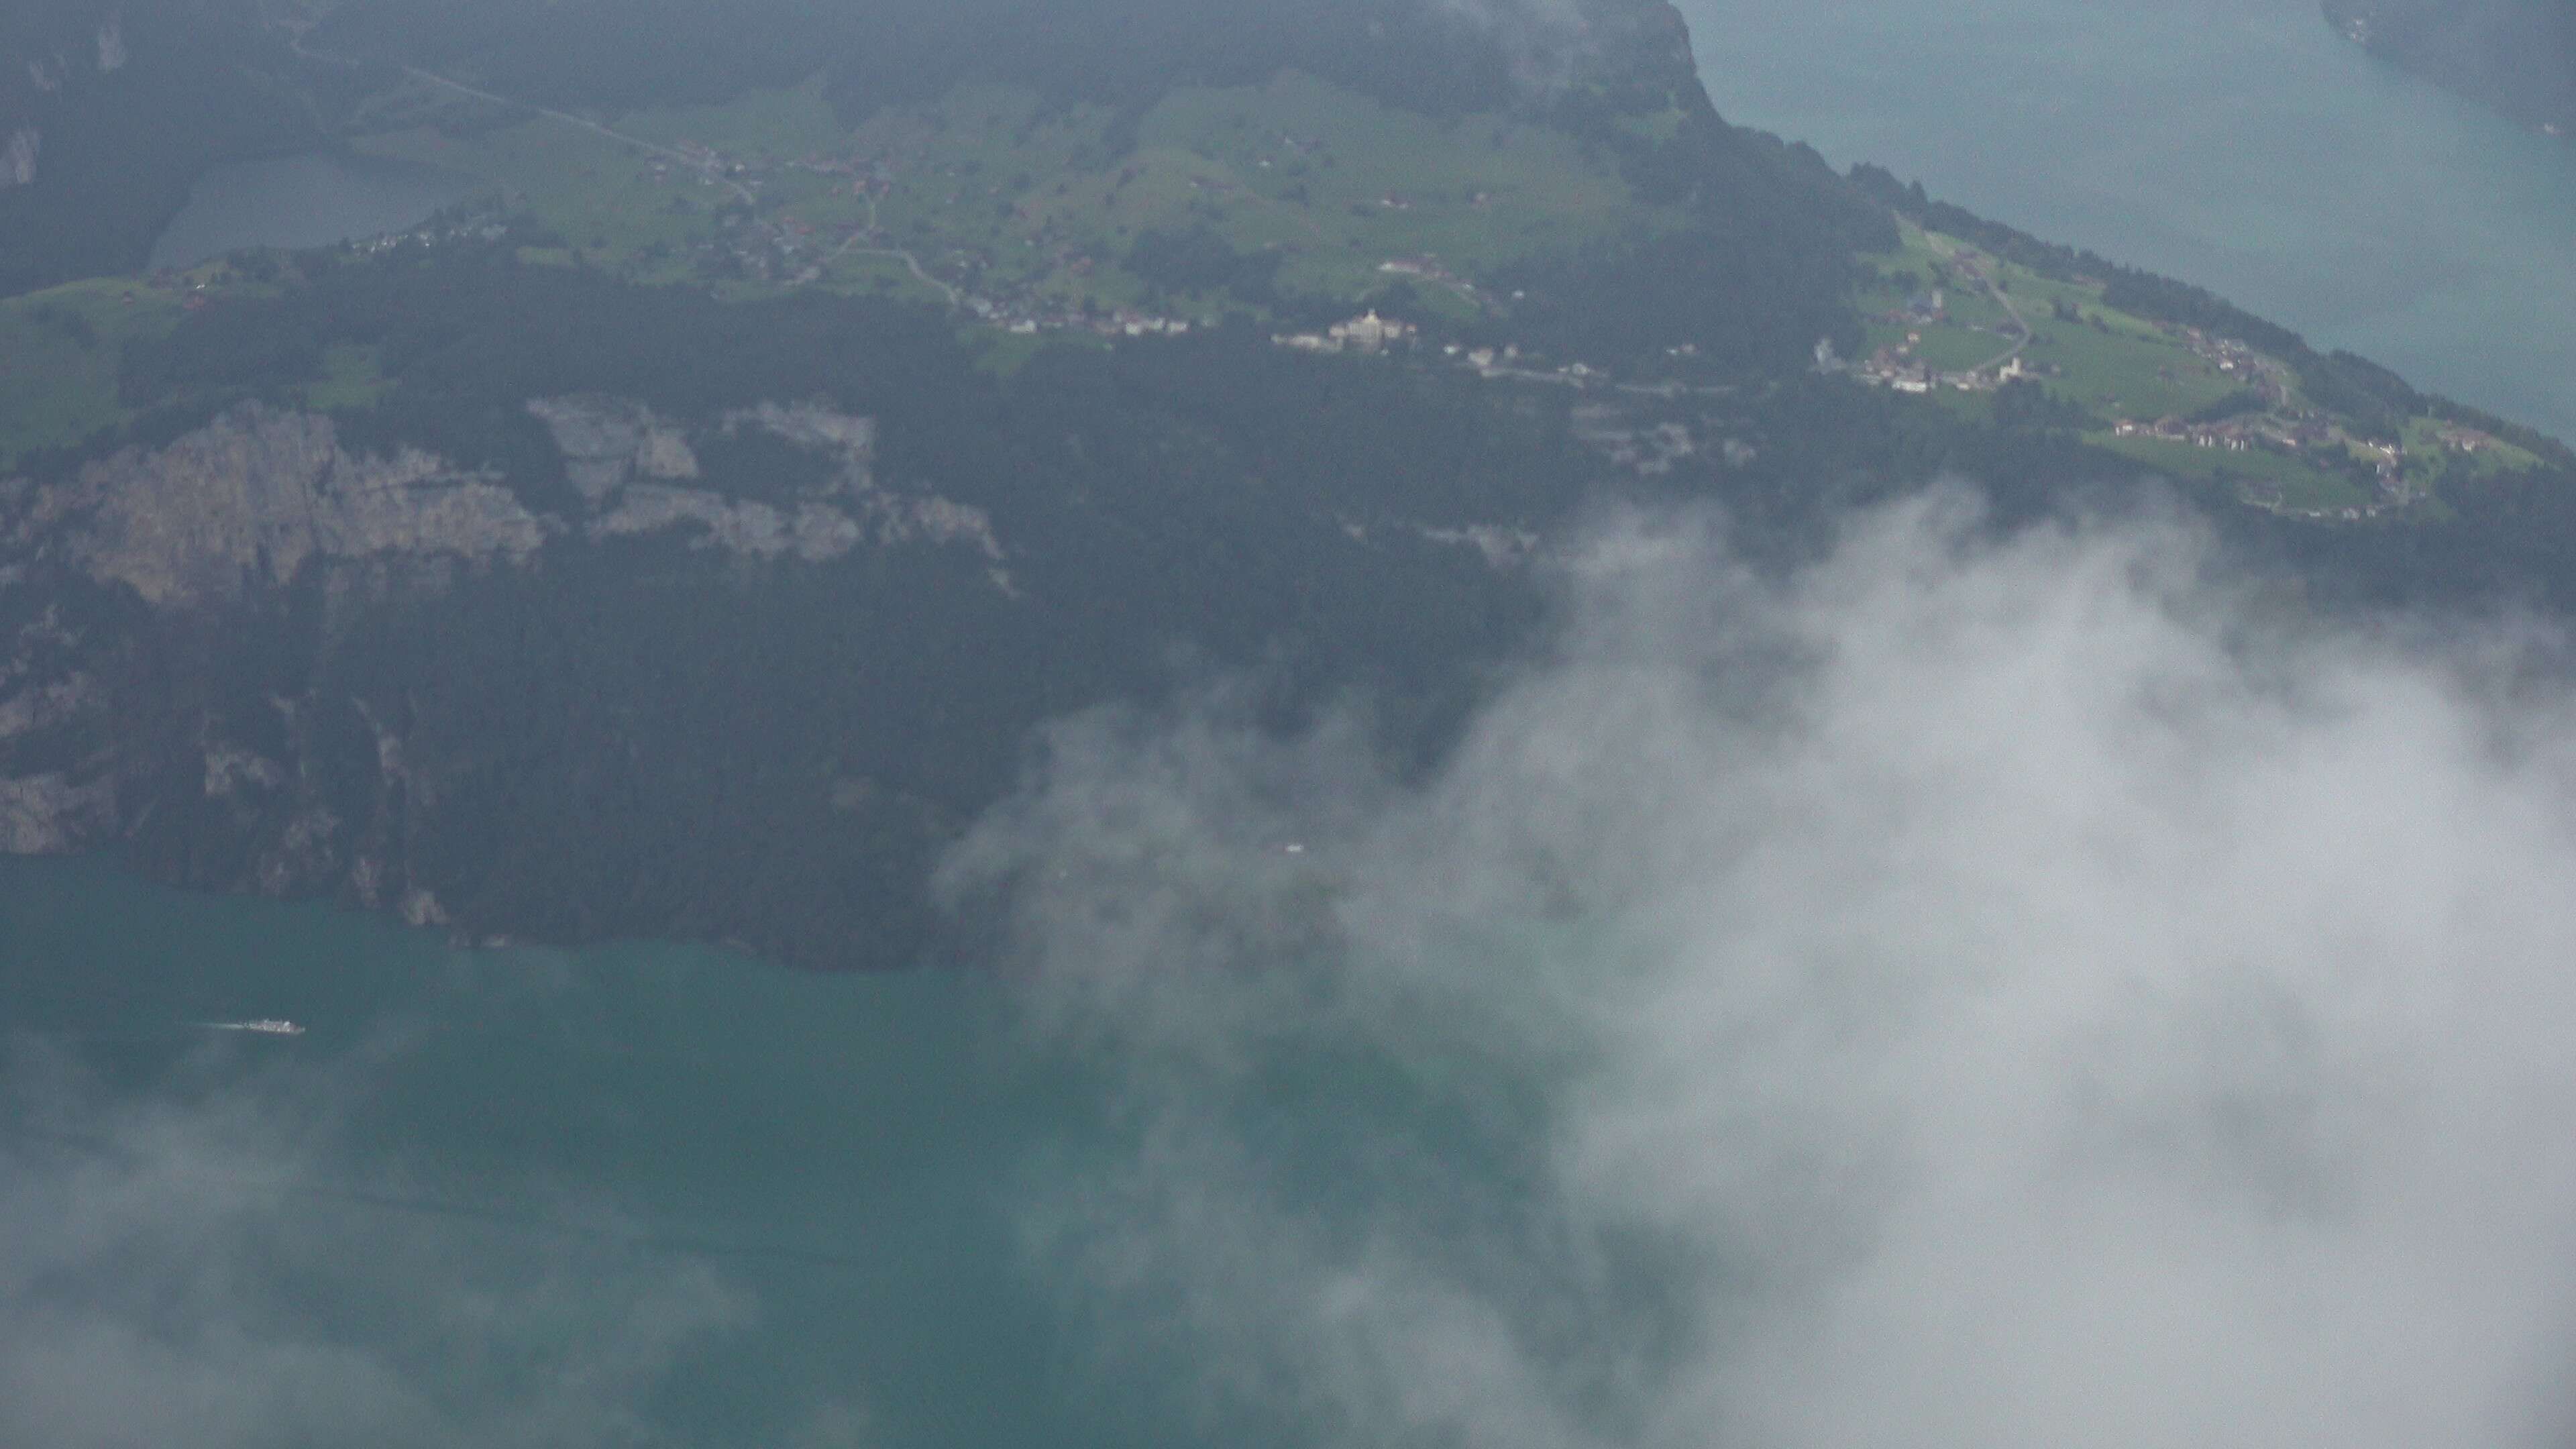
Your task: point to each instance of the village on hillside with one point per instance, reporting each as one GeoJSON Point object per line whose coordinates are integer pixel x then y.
{"type": "Point", "coordinates": [1951, 321]}
{"type": "Point", "coordinates": [757, 202]}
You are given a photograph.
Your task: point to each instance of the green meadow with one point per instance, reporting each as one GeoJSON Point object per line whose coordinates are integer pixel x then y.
{"type": "Point", "coordinates": [2116, 366]}
{"type": "Point", "coordinates": [991, 189]}
{"type": "Point", "coordinates": [58, 360]}
{"type": "Point", "coordinates": [2277, 479]}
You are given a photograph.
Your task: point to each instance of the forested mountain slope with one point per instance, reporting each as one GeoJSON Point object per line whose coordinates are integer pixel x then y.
{"type": "Point", "coordinates": [2518, 56]}
{"type": "Point", "coordinates": [110, 108]}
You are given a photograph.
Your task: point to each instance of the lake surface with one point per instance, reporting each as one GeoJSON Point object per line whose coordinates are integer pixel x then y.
{"type": "Point", "coordinates": [2239, 144]}
{"type": "Point", "coordinates": [304, 201]}
{"type": "Point", "coordinates": [808, 1183]}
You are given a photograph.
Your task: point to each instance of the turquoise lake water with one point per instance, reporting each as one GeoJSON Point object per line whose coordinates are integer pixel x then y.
{"type": "Point", "coordinates": [837, 1157]}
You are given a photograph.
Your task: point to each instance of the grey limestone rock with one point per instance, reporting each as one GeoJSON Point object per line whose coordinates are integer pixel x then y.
{"type": "Point", "coordinates": [249, 499]}
{"type": "Point", "coordinates": [608, 441]}
{"type": "Point", "coordinates": [813, 532]}
{"type": "Point", "coordinates": [18, 158]}
{"type": "Point", "coordinates": [821, 429]}
{"type": "Point", "coordinates": [48, 814]}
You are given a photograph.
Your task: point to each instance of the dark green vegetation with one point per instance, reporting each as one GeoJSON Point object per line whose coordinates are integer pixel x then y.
{"type": "Point", "coordinates": [2518, 56]}
{"type": "Point", "coordinates": [1017, 151]}
{"type": "Point", "coordinates": [108, 111]}
{"type": "Point", "coordinates": [59, 353]}
{"type": "Point", "coordinates": [622, 55]}
{"type": "Point", "coordinates": [1078, 283]}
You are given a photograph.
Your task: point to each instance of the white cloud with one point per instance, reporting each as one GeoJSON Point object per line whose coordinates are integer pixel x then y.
{"type": "Point", "coordinates": [1969, 993]}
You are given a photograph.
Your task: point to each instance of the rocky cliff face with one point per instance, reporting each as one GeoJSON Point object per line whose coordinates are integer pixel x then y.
{"type": "Point", "coordinates": [245, 503]}
{"type": "Point", "coordinates": [608, 442]}
{"type": "Point", "coordinates": [630, 467]}
{"type": "Point", "coordinates": [248, 502]}
{"type": "Point", "coordinates": [260, 531]}
{"type": "Point", "coordinates": [18, 158]}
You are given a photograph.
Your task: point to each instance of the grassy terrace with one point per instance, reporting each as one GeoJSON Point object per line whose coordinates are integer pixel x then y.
{"type": "Point", "coordinates": [60, 351]}
{"type": "Point", "coordinates": [2113, 364]}
{"type": "Point", "coordinates": [985, 194]}
{"type": "Point", "coordinates": [58, 359]}
{"type": "Point", "coordinates": [2122, 369]}
{"type": "Point", "coordinates": [1037, 208]}
{"type": "Point", "coordinates": [2281, 479]}
{"type": "Point", "coordinates": [1033, 211]}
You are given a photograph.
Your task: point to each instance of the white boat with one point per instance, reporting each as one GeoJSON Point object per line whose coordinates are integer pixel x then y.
{"type": "Point", "coordinates": [265, 1026]}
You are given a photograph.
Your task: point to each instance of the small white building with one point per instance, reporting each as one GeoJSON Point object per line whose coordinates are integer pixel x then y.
{"type": "Point", "coordinates": [1370, 333]}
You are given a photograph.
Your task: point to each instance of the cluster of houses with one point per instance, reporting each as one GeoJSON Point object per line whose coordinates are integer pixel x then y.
{"type": "Point", "coordinates": [788, 249]}
{"type": "Point", "coordinates": [2261, 375]}
{"type": "Point", "coordinates": [1116, 322]}
{"type": "Point", "coordinates": [2239, 434]}
{"type": "Point", "coordinates": [2234, 437]}
{"type": "Point", "coordinates": [198, 285]}
{"type": "Point", "coordinates": [1899, 369]}
{"type": "Point", "coordinates": [2387, 460]}
{"type": "Point", "coordinates": [1369, 333]}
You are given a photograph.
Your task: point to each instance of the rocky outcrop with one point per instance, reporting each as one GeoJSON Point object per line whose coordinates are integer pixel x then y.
{"type": "Point", "coordinates": [42, 689]}
{"type": "Point", "coordinates": [248, 500]}
{"type": "Point", "coordinates": [627, 464]}
{"type": "Point", "coordinates": [18, 158]}
{"type": "Point", "coordinates": [177, 623]}
{"type": "Point", "coordinates": [1648, 446]}
{"type": "Point", "coordinates": [608, 441]}
{"type": "Point", "coordinates": [813, 532]}
{"type": "Point", "coordinates": [819, 429]}
{"type": "Point", "coordinates": [934, 520]}
{"type": "Point", "coordinates": [48, 814]}
{"type": "Point", "coordinates": [886, 518]}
